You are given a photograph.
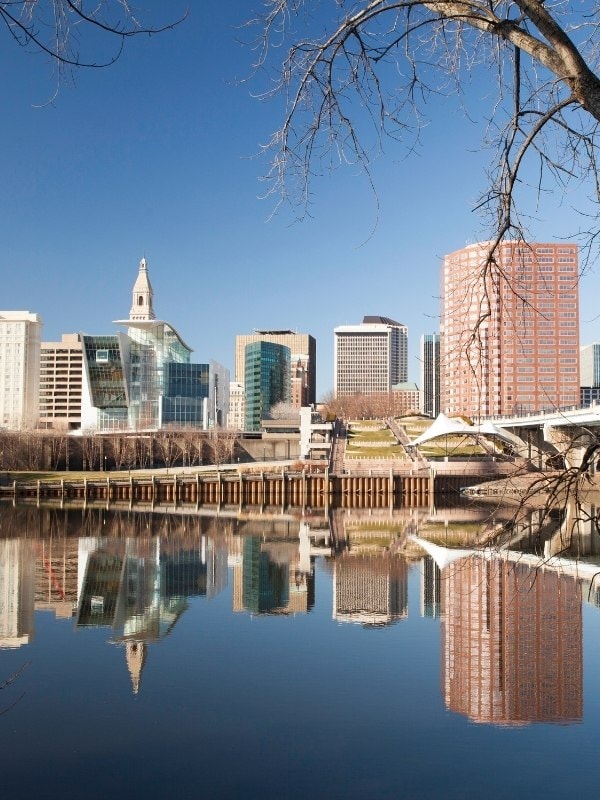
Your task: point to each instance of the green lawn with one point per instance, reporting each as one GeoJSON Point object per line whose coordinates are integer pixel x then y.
{"type": "Point", "coordinates": [393, 451]}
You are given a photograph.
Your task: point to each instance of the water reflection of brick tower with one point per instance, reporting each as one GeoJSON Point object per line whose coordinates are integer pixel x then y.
{"type": "Point", "coordinates": [511, 643]}
{"type": "Point", "coordinates": [371, 590]}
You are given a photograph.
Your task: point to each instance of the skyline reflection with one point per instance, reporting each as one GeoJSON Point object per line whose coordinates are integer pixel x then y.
{"type": "Point", "coordinates": [511, 633]}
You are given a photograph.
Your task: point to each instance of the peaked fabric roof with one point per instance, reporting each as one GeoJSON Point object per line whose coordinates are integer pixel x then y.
{"type": "Point", "coordinates": [444, 426]}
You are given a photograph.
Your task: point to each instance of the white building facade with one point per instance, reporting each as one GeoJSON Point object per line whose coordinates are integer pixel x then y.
{"type": "Point", "coordinates": [236, 418]}
{"type": "Point", "coordinates": [20, 337]}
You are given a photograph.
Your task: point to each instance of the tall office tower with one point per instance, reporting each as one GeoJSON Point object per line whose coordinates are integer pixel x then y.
{"type": "Point", "coordinates": [510, 329]}
{"type": "Point", "coordinates": [430, 373]}
{"type": "Point", "coordinates": [20, 333]}
{"type": "Point", "coordinates": [267, 380]}
{"type": "Point", "coordinates": [60, 383]}
{"type": "Point", "coordinates": [303, 361]}
{"type": "Point", "coordinates": [370, 358]}
{"type": "Point", "coordinates": [511, 643]}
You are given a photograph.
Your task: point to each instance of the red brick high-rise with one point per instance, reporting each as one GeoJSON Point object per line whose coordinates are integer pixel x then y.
{"type": "Point", "coordinates": [510, 329]}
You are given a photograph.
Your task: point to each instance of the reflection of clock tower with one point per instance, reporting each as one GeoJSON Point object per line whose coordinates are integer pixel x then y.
{"type": "Point", "coordinates": [141, 306]}
{"type": "Point", "coordinates": [135, 653]}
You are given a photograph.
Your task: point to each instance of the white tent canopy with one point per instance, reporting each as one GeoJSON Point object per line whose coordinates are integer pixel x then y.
{"type": "Point", "coordinates": [444, 426]}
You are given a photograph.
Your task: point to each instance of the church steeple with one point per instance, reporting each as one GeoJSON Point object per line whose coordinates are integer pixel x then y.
{"type": "Point", "coordinates": [141, 306]}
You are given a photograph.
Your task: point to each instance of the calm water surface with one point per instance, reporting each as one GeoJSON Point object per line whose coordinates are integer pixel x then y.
{"type": "Point", "coordinates": [161, 656]}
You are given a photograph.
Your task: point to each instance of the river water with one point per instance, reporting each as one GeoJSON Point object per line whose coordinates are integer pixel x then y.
{"type": "Point", "coordinates": [292, 656]}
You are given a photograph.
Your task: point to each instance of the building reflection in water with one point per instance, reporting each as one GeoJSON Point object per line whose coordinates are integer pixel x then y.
{"type": "Point", "coordinates": [371, 589]}
{"type": "Point", "coordinates": [511, 634]}
{"type": "Point", "coordinates": [430, 588]}
{"type": "Point", "coordinates": [273, 575]}
{"type": "Point", "coordinates": [17, 587]}
{"type": "Point", "coordinates": [140, 587]}
{"type": "Point", "coordinates": [511, 643]}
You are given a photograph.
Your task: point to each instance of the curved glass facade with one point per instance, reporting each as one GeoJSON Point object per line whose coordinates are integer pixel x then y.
{"type": "Point", "coordinates": [144, 379]}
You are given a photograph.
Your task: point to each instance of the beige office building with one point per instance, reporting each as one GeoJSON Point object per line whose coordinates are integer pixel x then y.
{"type": "Point", "coordinates": [303, 361]}
{"type": "Point", "coordinates": [60, 383]}
{"type": "Point", "coordinates": [20, 333]}
{"type": "Point", "coordinates": [510, 329]}
{"type": "Point", "coordinates": [370, 358]}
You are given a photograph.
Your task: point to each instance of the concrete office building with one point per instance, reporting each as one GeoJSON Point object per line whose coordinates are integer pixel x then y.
{"type": "Point", "coordinates": [430, 373]}
{"type": "Point", "coordinates": [303, 361]}
{"type": "Point", "coordinates": [510, 330]}
{"type": "Point", "coordinates": [20, 334]}
{"type": "Point", "coordinates": [370, 358]}
{"type": "Point", "coordinates": [61, 365]}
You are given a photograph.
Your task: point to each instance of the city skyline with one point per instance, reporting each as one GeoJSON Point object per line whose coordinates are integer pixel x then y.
{"type": "Point", "coordinates": [148, 171]}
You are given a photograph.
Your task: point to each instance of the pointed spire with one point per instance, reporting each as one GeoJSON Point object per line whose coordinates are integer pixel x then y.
{"type": "Point", "coordinates": [141, 306]}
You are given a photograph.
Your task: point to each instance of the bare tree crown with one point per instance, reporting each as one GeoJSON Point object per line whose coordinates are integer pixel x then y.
{"type": "Point", "coordinates": [393, 56]}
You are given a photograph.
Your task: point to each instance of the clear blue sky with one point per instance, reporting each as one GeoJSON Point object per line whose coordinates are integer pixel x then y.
{"type": "Point", "coordinates": [158, 155]}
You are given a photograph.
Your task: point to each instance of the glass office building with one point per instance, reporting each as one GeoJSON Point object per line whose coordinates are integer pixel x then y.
{"type": "Point", "coordinates": [144, 379]}
{"type": "Point", "coordinates": [267, 380]}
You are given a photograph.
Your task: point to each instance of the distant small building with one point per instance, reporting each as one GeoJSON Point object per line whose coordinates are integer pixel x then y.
{"type": "Point", "coordinates": [315, 435]}
{"type": "Point", "coordinates": [589, 395]}
{"type": "Point", "coordinates": [406, 397]}
{"type": "Point", "coordinates": [589, 364]}
{"type": "Point", "coordinates": [236, 419]}
{"type": "Point", "coordinates": [589, 374]}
